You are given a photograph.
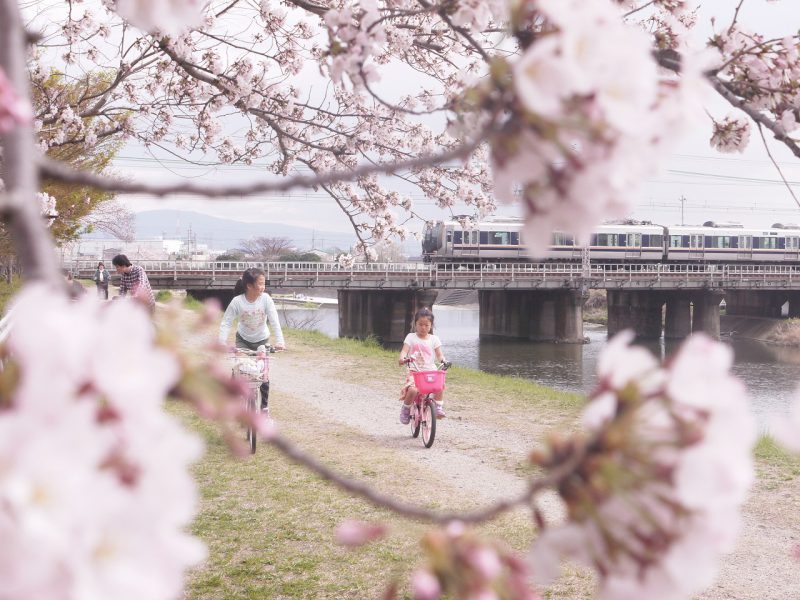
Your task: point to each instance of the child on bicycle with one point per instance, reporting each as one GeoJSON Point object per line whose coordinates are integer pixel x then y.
{"type": "Point", "coordinates": [422, 346]}
{"type": "Point", "coordinates": [254, 309]}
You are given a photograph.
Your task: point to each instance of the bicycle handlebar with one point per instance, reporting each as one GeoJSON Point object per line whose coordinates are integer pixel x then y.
{"type": "Point", "coordinates": [408, 360]}
{"type": "Point", "coordinates": [248, 352]}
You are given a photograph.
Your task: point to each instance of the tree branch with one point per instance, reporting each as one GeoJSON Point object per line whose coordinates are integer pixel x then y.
{"type": "Point", "coordinates": [60, 172]}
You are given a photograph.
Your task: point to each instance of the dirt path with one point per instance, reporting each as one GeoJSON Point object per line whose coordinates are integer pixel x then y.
{"type": "Point", "coordinates": [483, 459]}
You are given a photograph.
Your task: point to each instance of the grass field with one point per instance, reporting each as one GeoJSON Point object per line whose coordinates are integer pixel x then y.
{"type": "Point", "coordinates": [269, 524]}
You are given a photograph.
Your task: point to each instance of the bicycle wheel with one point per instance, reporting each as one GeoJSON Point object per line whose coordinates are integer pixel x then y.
{"type": "Point", "coordinates": [252, 409]}
{"type": "Point", "coordinates": [415, 420]}
{"type": "Point", "coordinates": [428, 423]}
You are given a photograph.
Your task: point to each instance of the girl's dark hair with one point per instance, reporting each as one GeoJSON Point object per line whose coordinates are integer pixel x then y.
{"type": "Point", "coordinates": [100, 264]}
{"type": "Point", "coordinates": [249, 276]}
{"type": "Point", "coordinates": [424, 313]}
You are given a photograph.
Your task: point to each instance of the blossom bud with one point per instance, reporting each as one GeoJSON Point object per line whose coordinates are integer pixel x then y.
{"type": "Point", "coordinates": [357, 533]}
{"type": "Point", "coordinates": [425, 585]}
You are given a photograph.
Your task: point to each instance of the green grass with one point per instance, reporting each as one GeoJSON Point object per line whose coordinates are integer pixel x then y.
{"type": "Point", "coordinates": [192, 303]}
{"type": "Point", "coordinates": [769, 452]}
{"type": "Point", "coordinates": [163, 296]}
{"type": "Point", "coordinates": [7, 290]}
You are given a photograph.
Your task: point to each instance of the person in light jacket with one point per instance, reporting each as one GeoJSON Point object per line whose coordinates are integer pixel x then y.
{"type": "Point", "coordinates": [101, 277]}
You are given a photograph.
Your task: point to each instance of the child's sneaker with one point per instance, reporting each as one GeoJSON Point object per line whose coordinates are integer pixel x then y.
{"type": "Point", "coordinates": [405, 414]}
{"type": "Point", "coordinates": [440, 411]}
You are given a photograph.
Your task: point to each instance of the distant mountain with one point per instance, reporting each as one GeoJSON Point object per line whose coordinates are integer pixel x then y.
{"type": "Point", "coordinates": [226, 233]}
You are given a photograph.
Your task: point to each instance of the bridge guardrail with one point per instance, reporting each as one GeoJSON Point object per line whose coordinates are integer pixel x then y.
{"type": "Point", "coordinates": [441, 272]}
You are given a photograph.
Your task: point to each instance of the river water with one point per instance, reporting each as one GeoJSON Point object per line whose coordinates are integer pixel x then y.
{"type": "Point", "coordinates": [770, 373]}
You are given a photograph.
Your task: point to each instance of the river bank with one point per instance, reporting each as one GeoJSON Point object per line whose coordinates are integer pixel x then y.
{"type": "Point", "coordinates": [269, 524]}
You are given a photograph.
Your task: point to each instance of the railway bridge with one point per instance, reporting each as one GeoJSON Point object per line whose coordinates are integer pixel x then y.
{"type": "Point", "coordinates": [534, 301]}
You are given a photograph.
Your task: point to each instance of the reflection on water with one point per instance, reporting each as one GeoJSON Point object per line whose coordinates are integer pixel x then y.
{"type": "Point", "coordinates": [771, 373]}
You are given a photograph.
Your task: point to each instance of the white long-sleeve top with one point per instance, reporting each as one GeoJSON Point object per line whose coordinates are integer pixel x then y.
{"type": "Point", "coordinates": [253, 317]}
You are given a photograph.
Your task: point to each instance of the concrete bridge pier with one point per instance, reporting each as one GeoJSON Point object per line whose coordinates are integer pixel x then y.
{"type": "Point", "coordinates": [677, 315]}
{"type": "Point", "coordinates": [385, 314]}
{"type": "Point", "coordinates": [636, 310]}
{"type": "Point", "coordinates": [535, 315]}
{"type": "Point", "coordinates": [794, 305]}
{"type": "Point", "coordinates": [705, 312]}
{"type": "Point", "coordinates": [755, 303]}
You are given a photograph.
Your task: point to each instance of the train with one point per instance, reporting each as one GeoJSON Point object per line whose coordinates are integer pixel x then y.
{"type": "Point", "coordinates": [501, 239]}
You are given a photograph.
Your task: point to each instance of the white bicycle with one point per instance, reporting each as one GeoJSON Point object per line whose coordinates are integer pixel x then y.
{"type": "Point", "coordinates": [252, 366]}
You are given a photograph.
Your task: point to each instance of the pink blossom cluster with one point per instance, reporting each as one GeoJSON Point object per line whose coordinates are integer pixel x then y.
{"type": "Point", "coordinates": [13, 109]}
{"type": "Point", "coordinates": [166, 16]}
{"type": "Point", "coordinates": [95, 491]}
{"type": "Point", "coordinates": [48, 207]}
{"type": "Point", "coordinates": [731, 134]}
{"type": "Point", "coordinates": [355, 41]}
{"type": "Point", "coordinates": [762, 72]}
{"type": "Point", "coordinates": [479, 14]}
{"type": "Point", "coordinates": [656, 499]}
{"type": "Point", "coordinates": [461, 565]}
{"type": "Point", "coordinates": [589, 119]}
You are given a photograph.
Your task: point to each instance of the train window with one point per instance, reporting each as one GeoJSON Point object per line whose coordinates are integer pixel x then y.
{"type": "Point", "coordinates": [562, 239]}
{"type": "Point", "coordinates": [474, 236]}
{"type": "Point", "coordinates": [602, 239]}
{"type": "Point", "coordinates": [792, 243]}
{"type": "Point", "coordinates": [593, 240]}
{"type": "Point", "coordinates": [769, 243]}
{"type": "Point", "coordinates": [782, 243]}
{"type": "Point", "coordinates": [498, 238]}
{"type": "Point", "coordinates": [457, 237]}
{"type": "Point", "coordinates": [450, 236]}
{"type": "Point", "coordinates": [484, 237]}
{"type": "Point", "coordinates": [675, 241]}
{"type": "Point", "coordinates": [656, 241]}
{"type": "Point", "coordinates": [645, 241]}
{"type": "Point", "coordinates": [708, 242]}
{"type": "Point", "coordinates": [514, 238]}
{"type": "Point", "coordinates": [621, 240]}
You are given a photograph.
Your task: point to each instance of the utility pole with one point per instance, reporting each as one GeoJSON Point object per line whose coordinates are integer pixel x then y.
{"type": "Point", "coordinates": [682, 201]}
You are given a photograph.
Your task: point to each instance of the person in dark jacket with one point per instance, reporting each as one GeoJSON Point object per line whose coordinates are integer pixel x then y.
{"type": "Point", "coordinates": [101, 277]}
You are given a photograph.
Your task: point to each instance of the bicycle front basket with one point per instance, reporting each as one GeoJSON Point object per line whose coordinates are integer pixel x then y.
{"type": "Point", "coordinates": [428, 382]}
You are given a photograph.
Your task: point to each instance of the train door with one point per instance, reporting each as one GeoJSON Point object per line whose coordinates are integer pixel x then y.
{"type": "Point", "coordinates": [745, 247]}
{"type": "Point", "coordinates": [792, 248]}
{"type": "Point", "coordinates": [696, 246]}
{"type": "Point", "coordinates": [471, 243]}
{"type": "Point", "coordinates": [633, 247]}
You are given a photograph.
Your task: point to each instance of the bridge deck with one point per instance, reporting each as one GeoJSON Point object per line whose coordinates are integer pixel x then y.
{"type": "Point", "coordinates": [223, 275]}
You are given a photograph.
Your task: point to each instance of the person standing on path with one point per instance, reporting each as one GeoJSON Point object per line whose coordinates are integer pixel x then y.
{"type": "Point", "coordinates": [134, 282]}
{"type": "Point", "coordinates": [101, 281]}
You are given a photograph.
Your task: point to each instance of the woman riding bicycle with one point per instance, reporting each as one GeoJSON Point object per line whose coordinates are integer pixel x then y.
{"type": "Point", "coordinates": [253, 308]}
{"type": "Point", "coordinates": [422, 346]}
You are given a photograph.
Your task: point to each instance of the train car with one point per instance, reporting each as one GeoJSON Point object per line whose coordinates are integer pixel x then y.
{"type": "Point", "coordinates": [732, 243]}
{"type": "Point", "coordinates": [500, 239]}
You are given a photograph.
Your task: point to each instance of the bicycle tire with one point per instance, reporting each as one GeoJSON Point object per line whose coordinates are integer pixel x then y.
{"type": "Point", "coordinates": [428, 423]}
{"type": "Point", "coordinates": [252, 408]}
{"type": "Point", "coordinates": [415, 423]}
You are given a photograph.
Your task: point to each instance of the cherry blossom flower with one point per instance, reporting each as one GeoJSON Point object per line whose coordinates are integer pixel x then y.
{"type": "Point", "coordinates": [731, 134]}
{"type": "Point", "coordinates": [167, 16]}
{"type": "Point", "coordinates": [657, 498]}
{"type": "Point", "coordinates": [106, 495]}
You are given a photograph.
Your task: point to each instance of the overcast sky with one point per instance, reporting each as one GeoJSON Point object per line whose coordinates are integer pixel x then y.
{"type": "Point", "coordinates": [722, 187]}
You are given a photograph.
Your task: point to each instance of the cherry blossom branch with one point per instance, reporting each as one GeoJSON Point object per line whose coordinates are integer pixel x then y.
{"type": "Point", "coordinates": [60, 172]}
{"type": "Point", "coordinates": [535, 486]}
{"type": "Point", "coordinates": [776, 165]}
{"type": "Point", "coordinates": [723, 89]}
{"type": "Point", "coordinates": [18, 170]}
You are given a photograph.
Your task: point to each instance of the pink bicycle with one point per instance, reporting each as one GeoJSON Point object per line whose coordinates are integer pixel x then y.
{"type": "Point", "coordinates": [253, 367]}
{"type": "Point", "coordinates": [423, 409]}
